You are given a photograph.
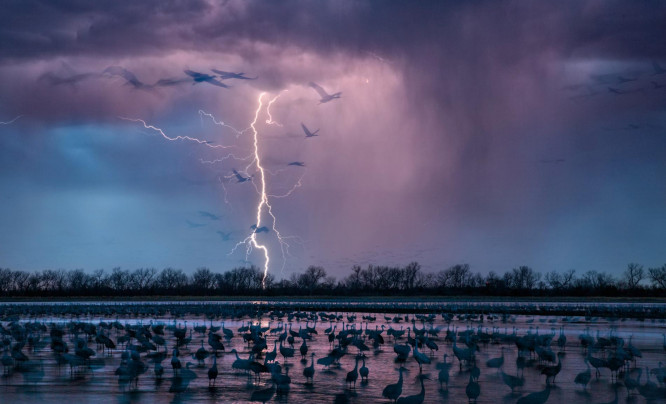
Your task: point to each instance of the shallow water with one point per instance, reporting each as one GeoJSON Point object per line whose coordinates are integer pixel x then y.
{"type": "Point", "coordinates": [46, 383]}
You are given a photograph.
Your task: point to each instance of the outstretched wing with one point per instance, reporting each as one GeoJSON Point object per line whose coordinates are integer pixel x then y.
{"type": "Point", "coordinates": [216, 82]}
{"type": "Point", "coordinates": [307, 132]}
{"type": "Point", "coordinates": [170, 82]}
{"type": "Point", "coordinates": [124, 73]}
{"type": "Point", "coordinates": [222, 73]}
{"type": "Point", "coordinates": [322, 93]}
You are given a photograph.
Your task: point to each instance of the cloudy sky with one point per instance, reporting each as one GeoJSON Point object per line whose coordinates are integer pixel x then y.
{"type": "Point", "coordinates": [491, 133]}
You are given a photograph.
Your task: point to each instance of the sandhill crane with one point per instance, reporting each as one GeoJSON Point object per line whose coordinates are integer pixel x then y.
{"type": "Point", "coordinates": [309, 371]}
{"type": "Point", "coordinates": [551, 372]}
{"type": "Point", "coordinates": [212, 372]}
{"type": "Point", "coordinates": [364, 371]}
{"type": "Point", "coordinates": [201, 354]}
{"type": "Point", "coordinates": [512, 381]}
{"type": "Point", "coordinates": [473, 390]}
{"type": "Point", "coordinates": [583, 378]}
{"type": "Point", "coordinates": [286, 352]}
{"type": "Point", "coordinates": [420, 357]}
{"type": "Point", "coordinates": [417, 398]}
{"type": "Point", "coordinates": [496, 363]}
{"type": "Point", "coordinates": [325, 97]}
{"type": "Point", "coordinates": [352, 375]}
{"type": "Point", "coordinates": [393, 391]}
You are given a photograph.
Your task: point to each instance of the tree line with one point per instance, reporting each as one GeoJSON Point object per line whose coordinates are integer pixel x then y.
{"type": "Point", "coordinates": [371, 280]}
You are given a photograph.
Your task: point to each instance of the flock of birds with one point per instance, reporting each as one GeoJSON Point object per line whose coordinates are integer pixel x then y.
{"type": "Point", "coordinates": [266, 346]}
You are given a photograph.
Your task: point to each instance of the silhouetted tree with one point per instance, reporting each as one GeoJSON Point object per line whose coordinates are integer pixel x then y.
{"type": "Point", "coordinates": [557, 280]}
{"type": "Point", "coordinates": [171, 279]}
{"type": "Point", "coordinates": [522, 277]}
{"type": "Point", "coordinates": [658, 276]}
{"type": "Point", "coordinates": [203, 279]}
{"type": "Point", "coordinates": [311, 278]}
{"type": "Point", "coordinates": [456, 276]}
{"type": "Point", "coordinates": [633, 275]}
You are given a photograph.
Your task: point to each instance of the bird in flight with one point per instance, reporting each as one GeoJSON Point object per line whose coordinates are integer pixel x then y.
{"type": "Point", "coordinates": [297, 163]}
{"type": "Point", "coordinates": [207, 78]}
{"type": "Point", "coordinates": [194, 225]}
{"type": "Point", "coordinates": [240, 177]}
{"type": "Point", "coordinates": [307, 131]}
{"type": "Point", "coordinates": [126, 74]}
{"type": "Point", "coordinates": [231, 75]}
{"type": "Point", "coordinates": [209, 215]}
{"type": "Point", "coordinates": [325, 97]}
{"type": "Point", "coordinates": [615, 90]}
{"type": "Point", "coordinates": [262, 229]}
{"type": "Point", "coordinates": [225, 236]}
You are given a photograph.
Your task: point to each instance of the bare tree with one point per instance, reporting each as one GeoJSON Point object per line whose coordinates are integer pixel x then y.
{"type": "Point", "coordinates": [203, 279]}
{"type": "Point", "coordinates": [142, 279]}
{"type": "Point", "coordinates": [171, 279]}
{"type": "Point", "coordinates": [456, 276]}
{"type": "Point", "coordinates": [311, 278]}
{"type": "Point", "coordinates": [658, 276]}
{"type": "Point", "coordinates": [524, 277]}
{"type": "Point", "coordinates": [557, 280]}
{"type": "Point", "coordinates": [633, 275]}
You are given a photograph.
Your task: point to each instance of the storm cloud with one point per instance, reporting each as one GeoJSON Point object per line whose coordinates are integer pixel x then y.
{"type": "Point", "coordinates": [482, 132]}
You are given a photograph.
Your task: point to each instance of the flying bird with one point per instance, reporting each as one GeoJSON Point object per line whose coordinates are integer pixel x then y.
{"type": "Point", "coordinates": [262, 229]}
{"type": "Point", "coordinates": [207, 78]}
{"type": "Point", "coordinates": [240, 178]}
{"type": "Point", "coordinates": [209, 215]}
{"type": "Point", "coordinates": [615, 90]}
{"type": "Point", "coordinates": [169, 82]}
{"type": "Point", "coordinates": [225, 236]}
{"type": "Point", "coordinates": [194, 225]}
{"type": "Point", "coordinates": [657, 69]}
{"type": "Point", "coordinates": [325, 97]}
{"type": "Point", "coordinates": [126, 74]}
{"type": "Point", "coordinates": [307, 131]}
{"type": "Point", "coordinates": [231, 75]}
{"type": "Point", "coordinates": [657, 86]}
{"type": "Point", "coordinates": [297, 163]}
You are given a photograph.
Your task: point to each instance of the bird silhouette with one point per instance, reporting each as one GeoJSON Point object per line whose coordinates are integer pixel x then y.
{"type": "Point", "coordinates": [325, 97]}
{"type": "Point", "coordinates": [307, 131]}
{"type": "Point", "coordinates": [417, 398]}
{"type": "Point", "coordinates": [240, 178]}
{"type": "Point", "coordinates": [583, 378]}
{"type": "Point", "coordinates": [213, 372]}
{"type": "Point", "coordinates": [393, 391]}
{"type": "Point", "coordinates": [473, 390]}
{"type": "Point", "coordinates": [205, 78]}
{"type": "Point", "coordinates": [231, 75]}
{"type": "Point", "coordinates": [309, 371]}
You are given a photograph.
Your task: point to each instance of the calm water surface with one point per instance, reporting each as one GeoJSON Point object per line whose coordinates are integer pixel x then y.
{"type": "Point", "coordinates": [48, 383]}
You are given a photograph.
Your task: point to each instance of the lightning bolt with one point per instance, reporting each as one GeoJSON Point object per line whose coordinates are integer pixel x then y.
{"type": "Point", "coordinates": [270, 120]}
{"type": "Point", "coordinates": [12, 121]}
{"type": "Point", "coordinates": [222, 123]}
{"type": "Point", "coordinates": [173, 139]}
{"type": "Point", "coordinates": [264, 206]}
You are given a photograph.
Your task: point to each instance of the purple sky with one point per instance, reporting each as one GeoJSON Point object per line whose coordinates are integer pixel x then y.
{"type": "Point", "coordinates": [491, 133]}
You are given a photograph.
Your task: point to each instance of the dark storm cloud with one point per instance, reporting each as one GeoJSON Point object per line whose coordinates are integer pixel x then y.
{"type": "Point", "coordinates": [476, 97]}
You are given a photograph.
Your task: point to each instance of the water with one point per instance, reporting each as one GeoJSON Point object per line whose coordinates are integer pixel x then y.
{"type": "Point", "coordinates": [42, 381]}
